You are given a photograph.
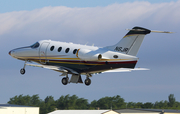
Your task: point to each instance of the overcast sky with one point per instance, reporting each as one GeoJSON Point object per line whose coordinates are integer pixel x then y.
{"type": "Point", "coordinates": [102, 23]}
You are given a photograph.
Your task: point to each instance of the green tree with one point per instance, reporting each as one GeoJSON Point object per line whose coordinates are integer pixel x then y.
{"type": "Point", "coordinates": [131, 105]}
{"type": "Point", "coordinates": [161, 105]}
{"type": "Point", "coordinates": [50, 103]}
{"type": "Point", "coordinates": [172, 100]}
{"type": "Point", "coordinates": [147, 105]}
{"type": "Point", "coordinates": [115, 102]}
{"type": "Point", "coordinates": [35, 100]}
{"type": "Point", "coordinates": [28, 101]}
{"type": "Point", "coordinates": [43, 109]}
{"type": "Point", "coordinates": [139, 105]}
{"type": "Point", "coordinates": [71, 102]}
{"type": "Point", "coordinates": [82, 103]}
{"type": "Point", "coordinates": [21, 100]}
{"type": "Point", "coordinates": [93, 105]}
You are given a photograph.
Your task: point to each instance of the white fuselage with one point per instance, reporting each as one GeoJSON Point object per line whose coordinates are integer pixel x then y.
{"type": "Point", "coordinates": [81, 58]}
{"type": "Point", "coordinates": [78, 60]}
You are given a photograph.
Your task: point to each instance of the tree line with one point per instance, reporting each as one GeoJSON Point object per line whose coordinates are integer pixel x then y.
{"type": "Point", "coordinates": [68, 102]}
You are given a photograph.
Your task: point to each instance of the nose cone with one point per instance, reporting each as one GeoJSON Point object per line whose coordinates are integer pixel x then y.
{"type": "Point", "coordinates": [23, 53]}
{"type": "Point", "coordinates": [9, 52]}
{"type": "Point", "coordinates": [20, 53]}
{"type": "Point", "coordinates": [12, 53]}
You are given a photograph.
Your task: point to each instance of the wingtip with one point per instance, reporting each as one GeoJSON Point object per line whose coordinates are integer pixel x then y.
{"type": "Point", "coordinates": [161, 31]}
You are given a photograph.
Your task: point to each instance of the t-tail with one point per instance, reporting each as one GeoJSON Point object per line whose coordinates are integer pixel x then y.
{"type": "Point", "coordinates": [132, 41]}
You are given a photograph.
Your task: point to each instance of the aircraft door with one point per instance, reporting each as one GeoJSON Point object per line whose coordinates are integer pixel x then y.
{"type": "Point", "coordinates": [43, 52]}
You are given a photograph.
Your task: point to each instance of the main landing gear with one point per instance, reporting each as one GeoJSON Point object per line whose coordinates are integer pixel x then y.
{"type": "Point", "coordinates": [88, 80]}
{"type": "Point", "coordinates": [76, 79]}
{"type": "Point", "coordinates": [65, 80]}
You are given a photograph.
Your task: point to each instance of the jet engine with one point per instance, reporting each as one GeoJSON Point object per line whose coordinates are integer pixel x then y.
{"type": "Point", "coordinates": [88, 55]}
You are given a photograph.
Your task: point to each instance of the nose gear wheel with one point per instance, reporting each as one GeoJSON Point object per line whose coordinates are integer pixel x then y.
{"type": "Point", "coordinates": [22, 71]}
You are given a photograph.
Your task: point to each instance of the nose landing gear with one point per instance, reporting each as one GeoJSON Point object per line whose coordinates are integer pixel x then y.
{"type": "Point", "coordinates": [23, 71]}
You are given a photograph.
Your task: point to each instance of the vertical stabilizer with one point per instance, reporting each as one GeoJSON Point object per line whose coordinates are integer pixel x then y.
{"type": "Point", "coordinates": [131, 42]}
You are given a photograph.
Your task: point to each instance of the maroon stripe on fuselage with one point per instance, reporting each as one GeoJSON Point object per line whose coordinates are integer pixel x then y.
{"type": "Point", "coordinates": [90, 66]}
{"type": "Point", "coordinates": [95, 62]}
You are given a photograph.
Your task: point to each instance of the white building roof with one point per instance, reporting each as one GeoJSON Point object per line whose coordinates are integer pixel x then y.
{"type": "Point", "coordinates": [79, 112]}
{"type": "Point", "coordinates": [147, 111]}
{"type": "Point", "coordinates": [12, 105]}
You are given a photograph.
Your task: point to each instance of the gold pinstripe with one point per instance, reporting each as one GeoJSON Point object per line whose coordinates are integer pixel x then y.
{"type": "Point", "coordinates": [74, 63]}
{"type": "Point", "coordinates": [37, 59]}
{"type": "Point", "coordinates": [54, 58]}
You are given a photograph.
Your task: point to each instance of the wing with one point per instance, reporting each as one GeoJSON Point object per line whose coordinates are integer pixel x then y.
{"type": "Point", "coordinates": [65, 70]}
{"type": "Point", "coordinates": [125, 70]}
{"type": "Point", "coordinates": [115, 70]}
{"type": "Point", "coordinates": [55, 68]}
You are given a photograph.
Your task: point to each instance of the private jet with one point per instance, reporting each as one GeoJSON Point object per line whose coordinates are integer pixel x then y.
{"type": "Point", "coordinates": [76, 60]}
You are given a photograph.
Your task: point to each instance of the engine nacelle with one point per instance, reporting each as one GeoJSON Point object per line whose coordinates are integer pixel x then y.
{"type": "Point", "coordinates": [88, 55]}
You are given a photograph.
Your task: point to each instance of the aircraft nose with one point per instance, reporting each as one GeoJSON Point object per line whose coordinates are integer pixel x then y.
{"type": "Point", "coordinates": [9, 52]}
{"type": "Point", "coordinates": [12, 53]}
{"type": "Point", "coordinates": [18, 53]}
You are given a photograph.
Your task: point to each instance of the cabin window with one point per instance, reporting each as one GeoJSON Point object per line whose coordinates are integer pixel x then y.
{"type": "Point", "coordinates": [59, 49]}
{"type": "Point", "coordinates": [52, 48]}
{"type": "Point", "coordinates": [115, 56]}
{"type": "Point", "coordinates": [67, 50]}
{"type": "Point", "coordinates": [75, 50]}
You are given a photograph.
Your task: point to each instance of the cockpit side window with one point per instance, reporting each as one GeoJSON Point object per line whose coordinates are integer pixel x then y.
{"type": "Point", "coordinates": [35, 45]}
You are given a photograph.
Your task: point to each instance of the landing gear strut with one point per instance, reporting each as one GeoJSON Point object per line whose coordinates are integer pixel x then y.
{"type": "Point", "coordinates": [22, 71]}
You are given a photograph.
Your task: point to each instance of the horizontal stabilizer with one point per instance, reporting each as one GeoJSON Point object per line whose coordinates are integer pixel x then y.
{"type": "Point", "coordinates": [151, 30]}
{"type": "Point", "coordinates": [161, 31]}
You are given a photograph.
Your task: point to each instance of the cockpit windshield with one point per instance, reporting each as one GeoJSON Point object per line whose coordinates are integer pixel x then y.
{"type": "Point", "coordinates": [35, 45]}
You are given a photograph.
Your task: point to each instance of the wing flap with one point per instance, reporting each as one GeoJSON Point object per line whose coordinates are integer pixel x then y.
{"type": "Point", "coordinates": [125, 70]}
